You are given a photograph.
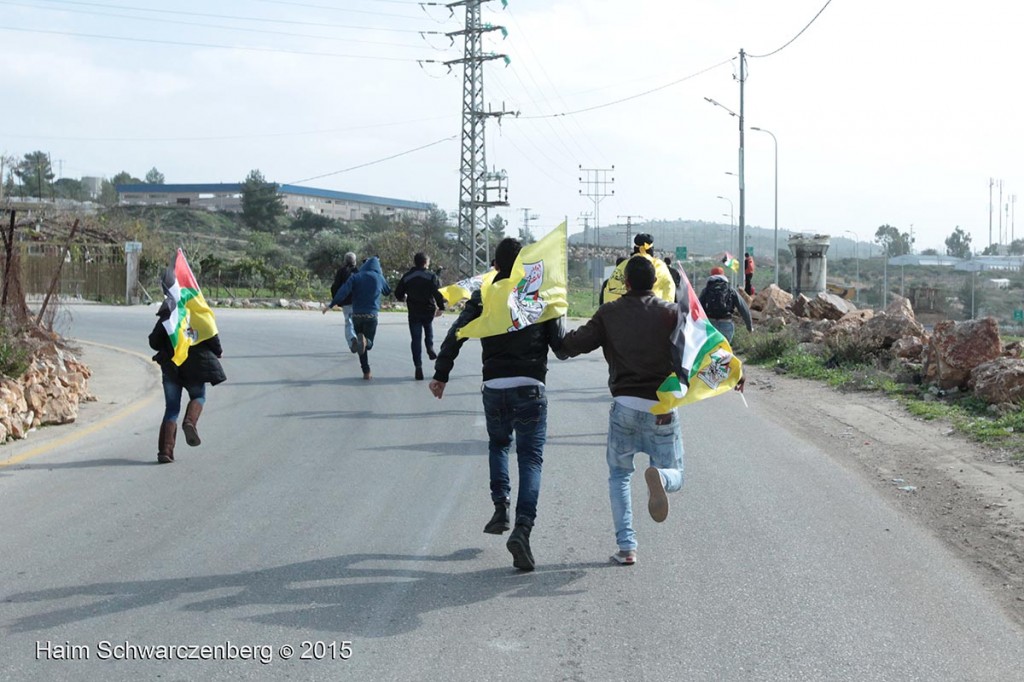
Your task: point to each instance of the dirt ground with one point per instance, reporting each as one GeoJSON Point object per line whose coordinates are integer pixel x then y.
{"type": "Point", "coordinates": [971, 496]}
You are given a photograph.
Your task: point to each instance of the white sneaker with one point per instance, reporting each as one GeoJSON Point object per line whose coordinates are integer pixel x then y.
{"type": "Point", "coordinates": [657, 501]}
{"type": "Point", "coordinates": [626, 557]}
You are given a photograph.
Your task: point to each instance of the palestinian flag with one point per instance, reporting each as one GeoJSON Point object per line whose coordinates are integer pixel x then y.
{"type": "Point", "coordinates": [729, 261]}
{"type": "Point", "coordinates": [707, 366]}
{"type": "Point", "coordinates": [191, 319]}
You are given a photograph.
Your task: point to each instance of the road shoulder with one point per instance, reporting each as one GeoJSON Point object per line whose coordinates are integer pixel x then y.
{"type": "Point", "coordinates": [968, 495]}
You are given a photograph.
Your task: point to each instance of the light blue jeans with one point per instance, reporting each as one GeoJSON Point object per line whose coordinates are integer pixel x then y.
{"type": "Point", "coordinates": [726, 327]}
{"type": "Point", "coordinates": [350, 331]}
{"type": "Point", "coordinates": [629, 432]}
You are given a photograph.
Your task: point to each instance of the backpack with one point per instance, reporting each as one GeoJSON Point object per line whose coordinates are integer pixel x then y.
{"type": "Point", "coordinates": [718, 300]}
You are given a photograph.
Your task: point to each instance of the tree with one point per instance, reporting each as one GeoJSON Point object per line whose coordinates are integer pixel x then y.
{"type": "Point", "coordinates": [124, 178]}
{"type": "Point", "coordinates": [436, 224]}
{"type": "Point", "coordinates": [325, 257]}
{"type": "Point", "coordinates": [375, 222]}
{"type": "Point", "coordinates": [1016, 247]}
{"type": "Point", "coordinates": [154, 177]}
{"type": "Point", "coordinates": [894, 242]}
{"type": "Point", "coordinates": [991, 250]}
{"type": "Point", "coordinates": [311, 222]}
{"type": "Point", "coordinates": [69, 188]}
{"type": "Point", "coordinates": [36, 174]}
{"type": "Point", "coordinates": [261, 204]}
{"type": "Point", "coordinates": [496, 227]}
{"type": "Point", "coordinates": [930, 252]}
{"type": "Point", "coordinates": [958, 244]}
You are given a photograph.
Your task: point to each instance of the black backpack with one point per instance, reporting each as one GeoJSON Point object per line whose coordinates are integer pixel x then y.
{"type": "Point", "coordinates": [718, 300]}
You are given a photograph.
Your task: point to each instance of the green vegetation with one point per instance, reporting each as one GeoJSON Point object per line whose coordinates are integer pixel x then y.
{"type": "Point", "coordinates": [14, 353]}
{"type": "Point", "coordinates": [582, 302]}
{"type": "Point", "coordinates": [848, 366]}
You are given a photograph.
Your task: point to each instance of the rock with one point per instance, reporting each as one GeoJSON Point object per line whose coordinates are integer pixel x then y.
{"type": "Point", "coordinates": [849, 323]}
{"type": "Point", "coordinates": [772, 299]}
{"type": "Point", "coordinates": [956, 348]}
{"type": "Point", "coordinates": [908, 348]}
{"type": "Point", "coordinates": [999, 381]}
{"type": "Point", "coordinates": [799, 306]}
{"type": "Point", "coordinates": [826, 306]}
{"type": "Point", "coordinates": [886, 328]}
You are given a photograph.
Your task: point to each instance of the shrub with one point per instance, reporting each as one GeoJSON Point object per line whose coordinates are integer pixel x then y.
{"type": "Point", "coordinates": [846, 350]}
{"type": "Point", "coordinates": [14, 354]}
{"type": "Point", "coordinates": [762, 348]}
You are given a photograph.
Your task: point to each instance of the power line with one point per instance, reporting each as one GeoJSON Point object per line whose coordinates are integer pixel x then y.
{"type": "Point", "coordinates": [632, 97]}
{"type": "Point", "coordinates": [232, 17]}
{"type": "Point", "coordinates": [371, 163]}
{"type": "Point", "coordinates": [214, 138]}
{"type": "Point", "coordinates": [209, 45]}
{"type": "Point", "coordinates": [759, 56]}
{"type": "Point", "coordinates": [336, 9]}
{"type": "Point", "coordinates": [162, 20]}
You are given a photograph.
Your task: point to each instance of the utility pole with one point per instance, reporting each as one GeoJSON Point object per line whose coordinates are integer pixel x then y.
{"type": "Point", "coordinates": [597, 189]}
{"type": "Point", "coordinates": [585, 217]}
{"type": "Point", "coordinates": [742, 226]}
{"type": "Point", "coordinates": [478, 189]}
{"type": "Point", "coordinates": [629, 228]}
{"type": "Point", "coordinates": [990, 183]}
{"type": "Point", "coordinates": [527, 218]}
{"type": "Point", "coordinates": [999, 210]}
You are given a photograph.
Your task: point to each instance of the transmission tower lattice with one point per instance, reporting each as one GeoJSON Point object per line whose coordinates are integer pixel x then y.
{"type": "Point", "coordinates": [478, 188]}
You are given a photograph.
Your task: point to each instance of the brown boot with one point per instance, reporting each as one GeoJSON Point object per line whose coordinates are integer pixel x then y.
{"type": "Point", "coordinates": [188, 425]}
{"type": "Point", "coordinates": [165, 444]}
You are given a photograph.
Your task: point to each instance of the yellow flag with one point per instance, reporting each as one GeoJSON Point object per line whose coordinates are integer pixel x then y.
{"type": "Point", "coordinates": [534, 293]}
{"type": "Point", "coordinates": [664, 285]}
{"type": "Point", "coordinates": [464, 288]}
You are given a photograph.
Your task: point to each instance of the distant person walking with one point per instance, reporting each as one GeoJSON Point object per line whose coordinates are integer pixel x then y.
{"type": "Point", "coordinates": [201, 367]}
{"type": "Point", "coordinates": [672, 270]}
{"type": "Point", "coordinates": [347, 269]}
{"type": "Point", "coordinates": [366, 288]}
{"type": "Point", "coordinates": [419, 287]}
{"type": "Point", "coordinates": [748, 274]}
{"type": "Point", "coordinates": [604, 284]}
{"type": "Point", "coordinates": [634, 332]}
{"type": "Point", "coordinates": [719, 300]}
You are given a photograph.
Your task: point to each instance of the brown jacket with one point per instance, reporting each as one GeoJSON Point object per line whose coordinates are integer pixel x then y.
{"type": "Point", "coordinates": [635, 334]}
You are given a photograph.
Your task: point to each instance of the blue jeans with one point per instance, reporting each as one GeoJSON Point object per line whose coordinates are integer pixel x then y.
{"type": "Point", "coordinates": [172, 396]}
{"type": "Point", "coordinates": [365, 324]}
{"type": "Point", "coordinates": [523, 411]}
{"type": "Point", "coordinates": [421, 328]}
{"type": "Point", "coordinates": [629, 432]}
{"type": "Point", "coordinates": [727, 327]}
{"type": "Point", "coordinates": [350, 331]}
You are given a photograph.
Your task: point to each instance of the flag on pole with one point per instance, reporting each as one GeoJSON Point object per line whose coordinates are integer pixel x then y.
{"type": "Point", "coordinates": [191, 319]}
{"type": "Point", "coordinates": [464, 288]}
{"type": "Point", "coordinates": [707, 364]}
{"type": "Point", "coordinates": [729, 261]}
{"type": "Point", "coordinates": [534, 293]}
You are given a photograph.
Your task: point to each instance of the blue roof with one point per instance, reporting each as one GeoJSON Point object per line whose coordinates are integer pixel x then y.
{"type": "Point", "coordinates": [236, 187]}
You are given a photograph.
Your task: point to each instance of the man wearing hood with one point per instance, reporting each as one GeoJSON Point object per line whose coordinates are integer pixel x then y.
{"type": "Point", "coordinates": [720, 300]}
{"type": "Point", "coordinates": [366, 288]}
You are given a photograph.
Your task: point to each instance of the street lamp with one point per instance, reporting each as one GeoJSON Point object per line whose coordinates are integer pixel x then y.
{"type": "Point", "coordinates": [776, 254]}
{"type": "Point", "coordinates": [856, 254]}
{"type": "Point", "coordinates": [732, 220]}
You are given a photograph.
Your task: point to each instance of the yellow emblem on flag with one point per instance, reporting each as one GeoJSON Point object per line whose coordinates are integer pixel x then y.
{"type": "Point", "coordinates": [535, 292]}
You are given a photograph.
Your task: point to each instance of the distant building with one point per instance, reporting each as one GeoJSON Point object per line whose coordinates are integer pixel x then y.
{"type": "Point", "coordinates": [228, 197]}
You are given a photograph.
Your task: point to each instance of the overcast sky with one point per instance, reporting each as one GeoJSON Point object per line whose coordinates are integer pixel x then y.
{"type": "Point", "coordinates": [885, 111]}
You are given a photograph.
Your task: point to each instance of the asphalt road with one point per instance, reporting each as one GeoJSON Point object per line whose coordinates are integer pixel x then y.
{"type": "Point", "coordinates": [323, 510]}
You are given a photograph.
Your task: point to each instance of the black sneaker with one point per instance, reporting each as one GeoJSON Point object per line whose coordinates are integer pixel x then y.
{"type": "Point", "coordinates": [519, 546]}
{"type": "Point", "coordinates": [419, 374]}
{"type": "Point", "coordinates": [431, 354]}
{"type": "Point", "coordinates": [499, 522]}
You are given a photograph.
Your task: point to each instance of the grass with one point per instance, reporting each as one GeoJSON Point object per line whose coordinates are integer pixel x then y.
{"type": "Point", "coordinates": [582, 302]}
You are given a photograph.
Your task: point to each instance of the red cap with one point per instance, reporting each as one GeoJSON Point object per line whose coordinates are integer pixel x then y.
{"type": "Point", "coordinates": [717, 271]}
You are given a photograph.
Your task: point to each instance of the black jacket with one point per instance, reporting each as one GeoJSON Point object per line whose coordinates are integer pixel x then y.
{"type": "Point", "coordinates": [340, 277]}
{"type": "Point", "coordinates": [523, 353]}
{"type": "Point", "coordinates": [202, 366]}
{"type": "Point", "coordinates": [419, 287]}
{"type": "Point", "coordinates": [718, 286]}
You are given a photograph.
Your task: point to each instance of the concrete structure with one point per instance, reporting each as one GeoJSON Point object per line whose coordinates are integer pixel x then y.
{"type": "Point", "coordinates": [92, 185]}
{"type": "Point", "coordinates": [810, 266]}
{"type": "Point", "coordinates": [228, 197]}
